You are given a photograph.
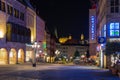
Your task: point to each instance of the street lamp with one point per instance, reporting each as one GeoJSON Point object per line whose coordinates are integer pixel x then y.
{"type": "Point", "coordinates": [35, 46]}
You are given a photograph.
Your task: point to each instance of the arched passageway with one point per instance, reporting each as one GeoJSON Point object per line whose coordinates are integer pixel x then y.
{"type": "Point", "coordinates": [3, 56]}
{"type": "Point", "coordinates": [12, 56]}
{"type": "Point", "coordinates": [21, 56]}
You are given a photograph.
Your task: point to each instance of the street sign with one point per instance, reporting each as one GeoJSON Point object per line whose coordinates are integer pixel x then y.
{"type": "Point", "coordinates": [101, 40]}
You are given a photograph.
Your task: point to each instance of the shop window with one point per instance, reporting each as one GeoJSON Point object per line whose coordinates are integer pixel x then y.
{"type": "Point", "coordinates": [114, 29]}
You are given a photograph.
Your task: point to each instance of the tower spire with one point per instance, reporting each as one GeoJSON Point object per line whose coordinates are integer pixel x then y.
{"type": "Point", "coordinates": [55, 32]}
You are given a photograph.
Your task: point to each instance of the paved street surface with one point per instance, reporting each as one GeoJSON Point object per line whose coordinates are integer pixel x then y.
{"type": "Point", "coordinates": [54, 72]}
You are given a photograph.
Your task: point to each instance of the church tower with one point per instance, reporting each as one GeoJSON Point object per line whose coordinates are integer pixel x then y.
{"type": "Point", "coordinates": [82, 37]}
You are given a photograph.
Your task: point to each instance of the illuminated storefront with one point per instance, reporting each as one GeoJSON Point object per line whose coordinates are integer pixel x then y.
{"type": "Point", "coordinates": [11, 56]}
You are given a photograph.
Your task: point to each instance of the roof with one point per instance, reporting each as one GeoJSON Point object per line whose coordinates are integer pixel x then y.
{"type": "Point", "coordinates": [26, 3]}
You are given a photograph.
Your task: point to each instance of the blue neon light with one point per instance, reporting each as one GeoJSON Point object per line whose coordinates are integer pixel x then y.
{"type": "Point", "coordinates": [104, 31]}
{"type": "Point", "coordinates": [92, 27]}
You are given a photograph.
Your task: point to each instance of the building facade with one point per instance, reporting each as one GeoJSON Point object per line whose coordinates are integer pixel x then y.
{"type": "Point", "coordinates": [68, 50]}
{"type": "Point", "coordinates": [107, 26]}
{"type": "Point", "coordinates": [47, 34]}
{"type": "Point", "coordinates": [31, 24]}
{"type": "Point", "coordinates": [40, 36]}
{"type": "Point", "coordinates": [20, 28]}
{"type": "Point", "coordinates": [13, 32]}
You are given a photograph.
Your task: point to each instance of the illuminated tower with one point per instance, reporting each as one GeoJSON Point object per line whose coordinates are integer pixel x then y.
{"type": "Point", "coordinates": [82, 37]}
{"type": "Point", "coordinates": [56, 34]}
{"type": "Point", "coordinates": [70, 37]}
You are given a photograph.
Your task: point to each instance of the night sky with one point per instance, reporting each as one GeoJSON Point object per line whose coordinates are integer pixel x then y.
{"type": "Point", "coordinates": [68, 16]}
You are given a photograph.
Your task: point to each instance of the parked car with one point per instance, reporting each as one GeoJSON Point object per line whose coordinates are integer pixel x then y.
{"type": "Point", "coordinates": [76, 61]}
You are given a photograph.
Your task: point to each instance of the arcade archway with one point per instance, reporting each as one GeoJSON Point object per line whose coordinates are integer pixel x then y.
{"type": "Point", "coordinates": [12, 56]}
{"type": "Point", "coordinates": [21, 56]}
{"type": "Point", "coordinates": [3, 56]}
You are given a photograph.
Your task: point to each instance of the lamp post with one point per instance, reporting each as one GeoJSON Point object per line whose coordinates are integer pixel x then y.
{"type": "Point", "coordinates": [35, 46]}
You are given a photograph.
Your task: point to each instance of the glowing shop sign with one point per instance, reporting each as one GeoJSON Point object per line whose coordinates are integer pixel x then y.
{"type": "Point", "coordinates": [92, 27]}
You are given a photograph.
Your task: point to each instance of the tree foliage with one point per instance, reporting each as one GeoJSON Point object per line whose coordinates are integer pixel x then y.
{"type": "Point", "coordinates": [76, 54]}
{"type": "Point", "coordinates": [112, 48]}
{"type": "Point", "coordinates": [87, 54]}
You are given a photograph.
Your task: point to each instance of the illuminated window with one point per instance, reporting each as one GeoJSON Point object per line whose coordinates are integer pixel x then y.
{"type": "Point", "coordinates": [114, 29]}
{"type": "Point", "coordinates": [116, 25]}
{"type": "Point", "coordinates": [116, 32]}
{"type": "Point", "coordinates": [111, 25]}
{"type": "Point", "coordinates": [111, 32]}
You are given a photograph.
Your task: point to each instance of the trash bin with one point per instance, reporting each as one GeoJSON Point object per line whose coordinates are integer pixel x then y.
{"type": "Point", "coordinates": [34, 65]}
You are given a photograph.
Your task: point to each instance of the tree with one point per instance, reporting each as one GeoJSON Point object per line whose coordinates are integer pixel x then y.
{"type": "Point", "coordinates": [76, 54]}
{"type": "Point", "coordinates": [112, 48]}
{"type": "Point", "coordinates": [87, 54]}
